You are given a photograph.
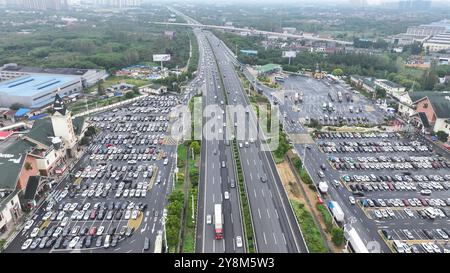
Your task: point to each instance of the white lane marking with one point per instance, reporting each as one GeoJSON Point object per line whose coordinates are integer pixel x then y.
{"type": "Point", "coordinates": [213, 197]}
{"type": "Point", "coordinates": [276, 212]}
{"type": "Point", "coordinates": [259, 213]}
{"type": "Point", "coordinates": [284, 238]}
{"type": "Point", "coordinates": [251, 177]}
{"type": "Point", "coordinates": [274, 238]}
{"type": "Point", "coordinates": [213, 180]}
{"type": "Point", "coordinates": [254, 190]}
{"type": "Point", "coordinates": [268, 214]}
{"type": "Point", "coordinates": [248, 163]}
{"type": "Point", "coordinates": [231, 217]}
{"type": "Point", "coordinates": [265, 240]}
{"type": "Point", "coordinates": [262, 192]}
{"type": "Point", "coordinates": [214, 245]}
{"type": "Point", "coordinates": [223, 244]}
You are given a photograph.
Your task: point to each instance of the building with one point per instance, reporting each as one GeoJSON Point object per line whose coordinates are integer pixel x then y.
{"type": "Point", "coordinates": [153, 89]}
{"type": "Point", "coordinates": [365, 83]}
{"type": "Point", "coordinates": [36, 91]}
{"type": "Point", "coordinates": [408, 39]}
{"type": "Point", "coordinates": [438, 42]}
{"type": "Point", "coordinates": [170, 33]}
{"type": "Point", "coordinates": [425, 30]}
{"type": "Point", "coordinates": [88, 77]}
{"type": "Point", "coordinates": [269, 69]}
{"type": "Point", "coordinates": [391, 88]}
{"type": "Point", "coordinates": [119, 3]}
{"type": "Point", "coordinates": [10, 210]}
{"type": "Point", "coordinates": [38, 4]}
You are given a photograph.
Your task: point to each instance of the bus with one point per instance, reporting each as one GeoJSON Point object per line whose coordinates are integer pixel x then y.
{"type": "Point", "coordinates": [218, 221]}
{"type": "Point", "coordinates": [279, 79]}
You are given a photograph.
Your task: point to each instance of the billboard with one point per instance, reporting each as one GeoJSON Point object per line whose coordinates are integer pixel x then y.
{"type": "Point", "coordinates": [161, 57]}
{"type": "Point", "coordinates": [289, 54]}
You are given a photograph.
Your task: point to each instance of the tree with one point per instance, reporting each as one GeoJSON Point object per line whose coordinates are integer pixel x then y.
{"type": "Point", "coordinates": [337, 72]}
{"type": "Point", "coordinates": [100, 88]}
{"type": "Point", "coordinates": [85, 141]}
{"type": "Point", "coordinates": [381, 93]}
{"type": "Point", "coordinates": [129, 95]}
{"type": "Point", "coordinates": [442, 136]}
{"type": "Point", "coordinates": [28, 166]}
{"type": "Point", "coordinates": [16, 106]}
{"type": "Point", "coordinates": [195, 146]}
{"type": "Point", "coordinates": [338, 236]}
{"type": "Point", "coordinates": [136, 90]}
{"type": "Point", "coordinates": [90, 131]}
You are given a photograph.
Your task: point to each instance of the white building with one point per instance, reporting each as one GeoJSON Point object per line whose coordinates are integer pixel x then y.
{"type": "Point", "coordinates": [438, 42]}
{"type": "Point", "coordinates": [391, 88]}
{"type": "Point", "coordinates": [10, 209]}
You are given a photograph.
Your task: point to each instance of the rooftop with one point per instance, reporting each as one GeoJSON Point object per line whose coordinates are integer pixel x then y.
{"type": "Point", "coordinates": [34, 84]}
{"type": "Point", "coordinates": [440, 101]}
{"type": "Point", "coordinates": [268, 68]}
{"type": "Point", "coordinates": [62, 71]}
{"type": "Point", "coordinates": [391, 84]}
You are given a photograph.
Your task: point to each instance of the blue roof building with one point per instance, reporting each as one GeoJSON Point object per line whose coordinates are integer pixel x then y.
{"type": "Point", "coordinates": [35, 90]}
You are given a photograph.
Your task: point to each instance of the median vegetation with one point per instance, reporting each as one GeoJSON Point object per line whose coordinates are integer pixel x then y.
{"type": "Point", "coordinates": [310, 231]}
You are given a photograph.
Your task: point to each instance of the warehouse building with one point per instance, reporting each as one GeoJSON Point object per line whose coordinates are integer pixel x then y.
{"type": "Point", "coordinates": [36, 91]}
{"type": "Point", "coordinates": [88, 77]}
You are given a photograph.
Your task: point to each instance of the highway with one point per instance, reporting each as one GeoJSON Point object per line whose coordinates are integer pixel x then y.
{"type": "Point", "coordinates": [275, 226]}
{"type": "Point", "coordinates": [214, 179]}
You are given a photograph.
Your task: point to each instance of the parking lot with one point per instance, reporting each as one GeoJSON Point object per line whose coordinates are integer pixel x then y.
{"type": "Point", "coordinates": [329, 102]}
{"type": "Point", "coordinates": [114, 199]}
{"type": "Point", "coordinates": [400, 183]}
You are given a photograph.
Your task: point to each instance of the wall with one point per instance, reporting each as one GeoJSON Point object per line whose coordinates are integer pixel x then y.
{"type": "Point", "coordinates": [6, 213]}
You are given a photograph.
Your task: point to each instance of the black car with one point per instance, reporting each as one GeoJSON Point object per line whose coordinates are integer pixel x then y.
{"type": "Point", "coordinates": [50, 242]}
{"type": "Point", "coordinates": [119, 215]}
{"type": "Point", "coordinates": [84, 231]}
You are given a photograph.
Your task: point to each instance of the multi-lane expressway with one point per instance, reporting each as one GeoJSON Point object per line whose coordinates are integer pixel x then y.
{"type": "Point", "coordinates": [215, 179]}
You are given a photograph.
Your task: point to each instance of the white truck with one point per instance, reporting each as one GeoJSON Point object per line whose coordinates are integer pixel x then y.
{"type": "Point", "coordinates": [323, 187]}
{"type": "Point", "coordinates": [296, 97]}
{"type": "Point", "coordinates": [218, 221]}
{"type": "Point", "coordinates": [336, 210]}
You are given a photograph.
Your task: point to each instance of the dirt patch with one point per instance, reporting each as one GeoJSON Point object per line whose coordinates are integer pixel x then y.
{"type": "Point", "coordinates": [289, 182]}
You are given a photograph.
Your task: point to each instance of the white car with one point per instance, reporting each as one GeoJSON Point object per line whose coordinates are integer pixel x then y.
{"type": "Point", "coordinates": [86, 206]}
{"type": "Point", "coordinates": [35, 232]}
{"type": "Point", "coordinates": [125, 193]}
{"type": "Point", "coordinates": [208, 219]}
{"type": "Point", "coordinates": [28, 225]}
{"type": "Point", "coordinates": [134, 214]}
{"type": "Point", "coordinates": [47, 215]}
{"type": "Point", "coordinates": [127, 214]}
{"type": "Point", "coordinates": [238, 241]}
{"type": "Point", "coordinates": [74, 242]}
{"type": "Point", "coordinates": [137, 193]}
{"type": "Point", "coordinates": [143, 193]}
{"type": "Point", "coordinates": [65, 221]}
{"type": "Point", "coordinates": [67, 207]}
{"type": "Point", "coordinates": [166, 161]}
{"type": "Point", "coordinates": [57, 232]}
{"type": "Point", "coordinates": [226, 195]}
{"type": "Point", "coordinates": [64, 193]}
{"type": "Point", "coordinates": [73, 206]}
{"type": "Point", "coordinates": [26, 244]}
{"type": "Point", "coordinates": [85, 193]}
{"type": "Point", "coordinates": [74, 215]}
{"type": "Point", "coordinates": [132, 192]}
{"type": "Point", "coordinates": [100, 230]}
{"type": "Point", "coordinates": [81, 213]}
{"type": "Point", "coordinates": [60, 216]}
{"type": "Point", "coordinates": [352, 200]}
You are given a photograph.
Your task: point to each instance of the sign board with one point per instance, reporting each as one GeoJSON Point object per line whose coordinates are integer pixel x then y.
{"type": "Point", "coordinates": [289, 54]}
{"type": "Point", "coordinates": [161, 57]}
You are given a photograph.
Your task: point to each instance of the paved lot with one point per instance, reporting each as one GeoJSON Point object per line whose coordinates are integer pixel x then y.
{"type": "Point", "coordinates": [404, 183]}
{"type": "Point", "coordinates": [116, 195]}
{"type": "Point", "coordinates": [319, 93]}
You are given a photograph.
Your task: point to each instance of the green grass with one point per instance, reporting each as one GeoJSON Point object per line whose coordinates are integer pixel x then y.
{"type": "Point", "coordinates": [310, 231]}
{"type": "Point", "coordinates": [181, 156]}
{"type": "Point", "coordinates": [326, 216]}
{"type": "Point", "coordinates": [112, 80]}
